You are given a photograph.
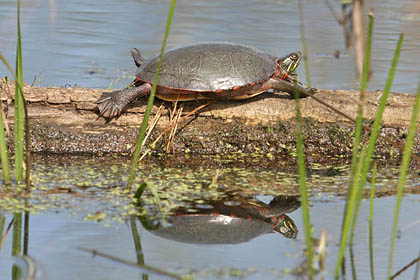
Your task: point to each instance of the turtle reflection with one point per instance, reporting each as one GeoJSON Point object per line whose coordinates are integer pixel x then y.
{"type": "Point", "coordinates": [230, 222]}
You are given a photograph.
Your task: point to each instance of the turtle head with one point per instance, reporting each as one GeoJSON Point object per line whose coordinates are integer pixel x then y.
{"type": "Point", "coordinates": [290, 62]}
{"type": "Point", "coordinates": [285, 225]}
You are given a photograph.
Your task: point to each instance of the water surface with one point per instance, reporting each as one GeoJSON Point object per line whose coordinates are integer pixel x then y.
{"type": "Point", "coordinates": [89, 43]}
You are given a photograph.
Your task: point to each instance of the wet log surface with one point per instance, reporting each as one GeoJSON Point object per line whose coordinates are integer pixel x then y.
{"type": "Point", "coordinates": [66, 120]}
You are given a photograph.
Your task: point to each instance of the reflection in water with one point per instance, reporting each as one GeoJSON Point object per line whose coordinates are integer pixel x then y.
{"type": "Point", "coordinates": [29, 268]}
{"type": "Point", "coordinates": [229, 221]}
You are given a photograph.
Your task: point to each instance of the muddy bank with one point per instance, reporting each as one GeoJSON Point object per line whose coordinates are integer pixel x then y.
{"type": "Point", "coordinates": [66, 120]}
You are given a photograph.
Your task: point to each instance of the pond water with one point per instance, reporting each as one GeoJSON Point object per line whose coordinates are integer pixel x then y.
{"type": "Point", "coordinates": [89, 43]}
{"type": "Point", "coordinates": [79, 203]}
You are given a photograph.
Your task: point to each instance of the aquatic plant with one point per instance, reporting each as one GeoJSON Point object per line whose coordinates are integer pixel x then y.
{"type": "Point", "coordinates": [403, 172]}
{"type": "Point", "coordinates": [143, 127]}
{"type": "Point", "coordinates": [303, 189]}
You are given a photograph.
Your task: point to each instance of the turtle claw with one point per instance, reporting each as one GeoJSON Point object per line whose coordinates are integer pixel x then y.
{"type": "Point", "coordinates": [111, 104]}
{"type": "Point", "coordinates": [108, 108]}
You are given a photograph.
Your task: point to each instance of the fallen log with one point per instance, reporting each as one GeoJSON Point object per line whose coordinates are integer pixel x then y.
{"type": "Point", "coordinates": [66, 120]}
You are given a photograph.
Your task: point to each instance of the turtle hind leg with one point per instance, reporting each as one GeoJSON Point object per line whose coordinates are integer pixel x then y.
{"type": "Point", "coordinates": [138, 59]}
{"type": "Point", "coordinates": [111, 104]}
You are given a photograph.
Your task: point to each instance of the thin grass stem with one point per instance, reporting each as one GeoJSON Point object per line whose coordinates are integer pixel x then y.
{"type": "Point", "coordinates": [2, 222]}
{"type": "Point", "coordinates": [349, 214]}
{"type": "Point", "coordinates": [364, 161]}
{"type": "Point", "coordinates": [144, 267]}
{"type": "Point", "coordinates": [374, 134]}
{"type": "Point", "coordinates": [363, 86]}
{"type": "Point", "coordinates": [403, 172]}
{"type": "Point", "coordinates": [372, 197]}
{"type": "Point", "coordinates": [17, 234]}
{"type": "Point", "coordinates": [143, 127]}
{"type": "Point", "coordinates": [136, 239]}
{"type": "Point", "coordinates": [26, 232]}
{"type": "Point", "coordinates": [19, 110]}
{"type": "Point", "coordinates": [4, 155]}
{"type": "Point", "coordinates": [304, 45]}
{"type": "Point", "coordinates": [359, 119]}
{"type": "Point", "coordinates": [303, 189]}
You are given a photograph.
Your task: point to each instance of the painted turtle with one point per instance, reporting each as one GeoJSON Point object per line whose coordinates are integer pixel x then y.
{"type": "Point", "coordinates": [207, 71]}
{"type": "Point", "coordinates": [229, 224]}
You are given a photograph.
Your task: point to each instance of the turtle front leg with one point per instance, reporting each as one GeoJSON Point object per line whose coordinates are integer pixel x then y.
{"type": "Point", "coordinates": [289, 87]}
{"type": "Point", "coordinates": [111, 104]}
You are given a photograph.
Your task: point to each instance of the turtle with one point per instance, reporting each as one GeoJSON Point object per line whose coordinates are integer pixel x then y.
{"type": "Point", "coordinates": [222, 223]}
{"type": "Point", "coordinates": [211, 70]}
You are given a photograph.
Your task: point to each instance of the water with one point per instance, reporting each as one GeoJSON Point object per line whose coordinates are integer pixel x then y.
{"type": "Point", "coordinates": [79, 202]}
{"type": "Point", "coordinates": [88, 43]}
{"type": "Point", "coordinates": [54, 240]}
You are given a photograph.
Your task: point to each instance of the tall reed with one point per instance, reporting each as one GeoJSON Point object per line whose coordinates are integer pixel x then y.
{"type": "Point", "coordinates": [302, 188]}
{"type": "Point", "coordinates": [137, 244]}
{"type": "Point", "coordinates": [304, 45]}
{"type": "Point", "coordinates": [363, 86]}
{"type": "Point", "coordinates": [403, 172]}
{"type": "Point", "coordinates": [19, 101]}
{"type": "Point", "coordinates": [363, 164]}
{"type": "Point", "coordinates": [359, 122]}
{"type": "Point", "coordinates": [372, 197]}
{"type": "Point", "coordinates": [143, 127]}
{"type": "Point", "coordinates": [4, 156]}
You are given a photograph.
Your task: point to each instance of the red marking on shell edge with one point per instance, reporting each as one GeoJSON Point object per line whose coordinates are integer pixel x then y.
{"type": "Point", "coordinates": [252, 84]}
{"type": "Point", "coordinates": [219, 90]}
{"type": "Point", "coordinates": [236, 88]}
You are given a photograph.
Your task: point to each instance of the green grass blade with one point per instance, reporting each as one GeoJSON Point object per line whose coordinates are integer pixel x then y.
{"type": "Point", "coordinates": [4, 155]}
{"type": "Point", "coordinates": [303, 189]}
{"type": "Point", "coordinates": [304, 46]}
{"type": "Point", "coordinates": [137, 244]}
{"type": "Point", "coordinates": [3, 152]}
{"type": "Point", "coordinates": [19, 104]}
{"type": "Point", "coordinates": [403, 172]}
{"type": "Point", "coordinates": [372, 197]}
{"type": "Point", "coordinates": [17, 243]}
{"type": "Point", "coordinates": [17, 234]}
{"type": "Point", "coordinates": [365, 161]}
{"type": "Point", "coordinates": [359, 119]}
{"type": "Point", "coordinates": [26, 232]}
{"type": "Point", "coordinates": [375, 130]}
{"type": "Point", "coordinates": [352, 263]}
{"type": "Point", "coordinates": [145, 122]}
{"type": "Point", "coordinates": [349, 213]}
{"type": "Point", "coordinates": [3, 146]}
{"type": "Point", "coordinates": [359, 123]}
{"type": "Point", "coordinates": [136, 239]}
{"type": "Point", "coordinates": [363, 86]}
{"type": "Point", "coordinates": [2, 222]}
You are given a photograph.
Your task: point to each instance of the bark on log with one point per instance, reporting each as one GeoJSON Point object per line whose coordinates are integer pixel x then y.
{"type": "Point", "coordinates": [66, 120]}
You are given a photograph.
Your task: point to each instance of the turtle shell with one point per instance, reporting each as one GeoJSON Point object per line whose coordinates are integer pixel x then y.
{"type": "Point", "coordinates": [213, 229]}
{"type": "Point", "coordinates": [210, 70]}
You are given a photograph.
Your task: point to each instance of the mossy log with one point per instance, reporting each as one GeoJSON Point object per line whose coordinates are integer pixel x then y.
{"type": "Point", "coordinates": [66, 120]}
